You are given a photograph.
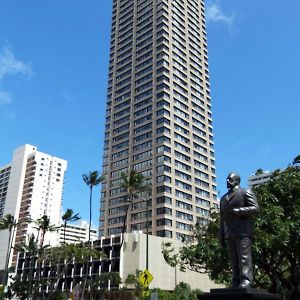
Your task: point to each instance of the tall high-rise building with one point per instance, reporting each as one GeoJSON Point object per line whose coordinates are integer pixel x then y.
{"type": "Point", "coordinates": [158, 117]}
{"type": "Point", "coordinates": [30, 186]}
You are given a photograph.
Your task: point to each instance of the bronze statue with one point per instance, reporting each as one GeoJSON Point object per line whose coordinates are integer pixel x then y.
{"type": "Point", "coordinates": [236, 208]}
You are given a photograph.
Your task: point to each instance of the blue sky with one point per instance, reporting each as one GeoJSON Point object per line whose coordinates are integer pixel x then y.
{"type": "Point", "coordinates": [53, 78]}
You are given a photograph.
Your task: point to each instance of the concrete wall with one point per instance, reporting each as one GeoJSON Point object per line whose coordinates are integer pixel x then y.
{"type": "Point", "coordinates": [133, 257]}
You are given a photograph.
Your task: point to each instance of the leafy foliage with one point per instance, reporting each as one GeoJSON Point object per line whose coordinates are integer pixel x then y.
{"type": "Point", "coordinates": [69, 216]}
{"type": "Point", "coordinates": [43, 226]}
{"type": "Point", "coordinates": [59, 260]}
{"type": "Point", "coordinates": [276, 245]}
{"type": "Point", "coordinates": [92, 179]}
{"type": "Point", "coordinates": [184, 292]}
{"type": "Point", "coordinates": [9, 223]}
{"type": "Point", "coordinates": [133, 183]}
{"type": "Point", "coordinates": [277, 242]}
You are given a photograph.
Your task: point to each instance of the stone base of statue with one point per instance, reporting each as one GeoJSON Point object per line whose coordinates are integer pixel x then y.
{"type": "Point", "coordinates": [239, 294]}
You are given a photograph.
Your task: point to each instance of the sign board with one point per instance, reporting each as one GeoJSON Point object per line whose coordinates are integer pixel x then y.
{"type": "Point", "coordinates": [145, 278]}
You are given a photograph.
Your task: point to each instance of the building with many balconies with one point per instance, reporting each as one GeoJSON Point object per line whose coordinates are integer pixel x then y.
{"type": "Point", "coordinates": [158, 118]}
{"type": "Point", "coordinates": [30, 186]}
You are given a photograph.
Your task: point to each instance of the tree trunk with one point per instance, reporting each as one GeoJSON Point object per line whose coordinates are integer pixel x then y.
{"type": "Point", "coordinates": [65, 225]}
{"type": "Point", "coordinates": [5, 275]}
{"type": "Point", "coordinates": [91, 194]}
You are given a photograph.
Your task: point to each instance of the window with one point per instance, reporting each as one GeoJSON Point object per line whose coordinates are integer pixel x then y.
{"type": "Point", "coordinates": [202, 192]}
{"type": "Point", "coordinates": [164, 199]}
{"type": "Point", "coordinates": [184, 226]}
{"type": "Point", "coordinates": [182, 175]}
{"type": "Point", "coordinates": [164, 222]}
{"type": "Point", "coordinates": [183, 195]}
{"type": "Point", "coordinates": [182, 165]}
{"type": "Point", "coordinates": [164, 233]}
{"type": "Point", "coordinates": [183, 185]}
{"type": "Point", "coordinates": [185, 216]}
{"type": "Point", "coordinates": [163, 149]}
{"type": "Point", "coordinates": [142, 164]}
{"type": "Point", "coordinates": [143, 137]}
{"type": "Point", "coordinates": [163, 158]}
{"type": "Point", "coordinates": [163, 139]}
{"type": "Point", "coordinates": [164, 188]}
{"type": "Point", "coordinates": [202, 211]}
{"type": "Point", "coordinates": [202, 202]}
{"type": "Point", "coordinates": [164, 211]}
{"type": "Point", "coordinates": [117, 210]}
{"type": "Point", "coordinates": [163, 178]}
{"type": "Point", "coordinates": [142, 155]}
{"type": "Point", "coordinates": [184, 205]}
{"type": "Point", "coordinates": [163, 168]}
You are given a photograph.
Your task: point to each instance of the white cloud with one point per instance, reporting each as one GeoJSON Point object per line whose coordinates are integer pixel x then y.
{"type": "Point", "coordinates": [10, 65]}
{"type": "Point", "coordinates": [215, 14]}
{"type": "Point", "coordinates": [5, 98]}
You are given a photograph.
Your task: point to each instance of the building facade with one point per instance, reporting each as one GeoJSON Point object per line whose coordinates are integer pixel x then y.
{"type": "Point", "coordinates": [123, 260]}
{"type": "Point", "coordinates": [33, 184]}
{"type": "Point", "coordinates": [257, 179]}
{"type": "Point", "coordinates": [158, 118]}
{"type": "Point", "coordinates": [76, 233]}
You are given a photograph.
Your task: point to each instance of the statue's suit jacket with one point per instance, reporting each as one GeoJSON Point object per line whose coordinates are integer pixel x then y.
{"type": "Point", "coordinates": [236, 209]}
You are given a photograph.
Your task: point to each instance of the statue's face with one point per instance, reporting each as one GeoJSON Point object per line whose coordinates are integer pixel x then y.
{"type": "Point", "coordinates": [231, 181]}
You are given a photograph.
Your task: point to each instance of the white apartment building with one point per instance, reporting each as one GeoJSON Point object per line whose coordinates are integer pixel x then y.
{"type": "Point", "coordinates": [76, 233]}
{"type": "Point", "coordinates": [256, 179]}
{"type": "Point", "coordinates": [30, 186]}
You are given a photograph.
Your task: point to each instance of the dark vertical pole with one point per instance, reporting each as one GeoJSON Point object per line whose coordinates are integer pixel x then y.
{"type": "Point", "coordinates": [147, 235]}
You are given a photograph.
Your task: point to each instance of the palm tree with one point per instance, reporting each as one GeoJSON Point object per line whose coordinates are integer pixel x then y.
{"type": "Point", "coordinates": [43, 225]}
{"type": "Point", "coordinates": [8, 222]}
{"type": "Point", "coordinates": [69, 216]}
{"type": "Point", "coordinates": [92, 179]}
{"type": "Point", "coordinates": [133, 183]}
{"type": "Point", "coordinates": [296, 160]}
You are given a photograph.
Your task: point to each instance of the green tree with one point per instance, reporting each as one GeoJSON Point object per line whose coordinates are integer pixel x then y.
{"type": "Point", "coordinates": [43, 226]}
{"type": "Point", "coordinates": [259, 172]}
{"type": "Point", "coordinates": [22, 286]}
{"type": "Point", "coordinates": [296, 160]}
{"type": "Point", "coordinates": [172, 259]}
{"type": "Point", "coordinates": [184, 292]}
{"type": "Point", "coordinates": [132, 282]}
{"type": "Point", "coordinates": [9, 223]}
{"type": "Point", "coordinates": [62, 257]}
{"type": "Point", "coordinates": [69, 216]}
{"type": "Point", "coordinates": [276, 245]}
{"type": "Point", "coordinates": [92, 179]}
{"type": "Point", "coordinates": [133, 183]}
{"type": "Point", "coordinates": [277, 234]}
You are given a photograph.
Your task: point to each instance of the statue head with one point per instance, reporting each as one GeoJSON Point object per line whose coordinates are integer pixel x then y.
{"type": "Point", "coordinates": [233, 180]}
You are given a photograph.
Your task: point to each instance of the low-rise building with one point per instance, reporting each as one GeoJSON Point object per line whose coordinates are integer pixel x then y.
{"type": "Point", "coordinates": [76, 233]}
{"type": "Point", "coordinates": [123, 257]}
{"type": "Point", "coordinates": [259, 178]}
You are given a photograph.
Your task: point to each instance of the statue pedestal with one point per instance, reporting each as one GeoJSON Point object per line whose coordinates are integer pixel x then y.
{"type": "Point", "coordinates": [239, 294]}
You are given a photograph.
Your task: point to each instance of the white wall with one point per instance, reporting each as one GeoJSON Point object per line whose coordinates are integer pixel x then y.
{"type": "Point", "coordinates": [14, 193]}
{"type": "Point", "coordinates": [134, 257]}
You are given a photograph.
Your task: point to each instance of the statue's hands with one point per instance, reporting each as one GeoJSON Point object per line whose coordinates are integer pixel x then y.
{"type": "Point", "coordinates": [236, 211]}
